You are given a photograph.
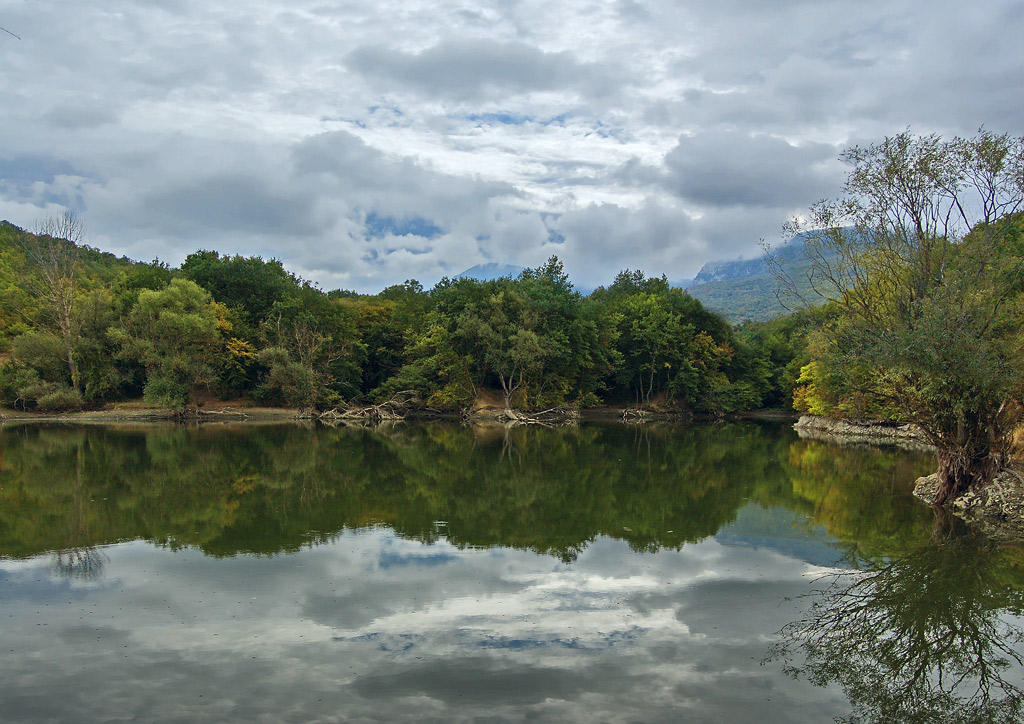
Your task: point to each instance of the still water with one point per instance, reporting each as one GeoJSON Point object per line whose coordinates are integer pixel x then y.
{"type": "Point", "coordinates": [436, 573]}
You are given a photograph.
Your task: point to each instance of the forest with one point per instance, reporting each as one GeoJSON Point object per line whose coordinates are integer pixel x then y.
{"type": "Point", "coordinates": [911, 310]}
{"type": "Point", "coordinates": [80, 328]}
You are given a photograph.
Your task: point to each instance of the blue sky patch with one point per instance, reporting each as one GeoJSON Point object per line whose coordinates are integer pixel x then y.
{"type": "Point", "coordinates": [505, 119]}
{"type": "Point", "coordinates": [380, 225]}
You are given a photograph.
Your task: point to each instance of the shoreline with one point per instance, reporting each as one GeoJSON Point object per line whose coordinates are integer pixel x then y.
{"type": "Point", "coordinates": [133, 412]}
{"type": "Point", "coordinates": [862, 432]}
{"type": "Point", "coordinates": [144, 414]}
{"type": "Point", "coordinates": [997, 510]}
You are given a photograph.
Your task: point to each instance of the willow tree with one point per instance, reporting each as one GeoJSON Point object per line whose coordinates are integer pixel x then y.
{"type": "Point", "coordinates": [922, 259]}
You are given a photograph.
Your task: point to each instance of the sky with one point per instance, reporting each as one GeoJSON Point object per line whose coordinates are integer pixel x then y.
{"type": "Point", "coordinates": [366, 143]}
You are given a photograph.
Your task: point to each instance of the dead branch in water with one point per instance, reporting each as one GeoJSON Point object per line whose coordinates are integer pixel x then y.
{"type": "Point", "coordinates": [392, 410]}
{"type": "Point", "coordinates": [551, 417]}
{"type": "Point", "coordinates": [635, 416]}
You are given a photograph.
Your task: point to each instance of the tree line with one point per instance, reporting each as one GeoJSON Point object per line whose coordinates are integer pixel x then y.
{"type": "Point", "coordinates": [81, 327]}
{"type": "Point", "coordinates": [912, 311]}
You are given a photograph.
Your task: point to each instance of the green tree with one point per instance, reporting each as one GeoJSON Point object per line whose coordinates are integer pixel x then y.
{"type": "Point", "coordinates": [669, 347]}
{"type": "Point", "coordinates": [249, 285]}
{"type": "Point", "coordinates": [781, 343]}
{"type": "Point", "coordinates": [388, 325]}
{"type": "Point", "coordinates": [175, 333]}
{"type": "Point", "coordinates": [311, 351]}
{"type": "Point", "coordinates": [922, 259]}
{"type": "Point", "coordinates": [533, 338]}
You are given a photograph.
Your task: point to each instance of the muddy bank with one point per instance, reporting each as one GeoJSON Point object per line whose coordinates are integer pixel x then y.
{"type": "Point", "coordinates": [129, 413]}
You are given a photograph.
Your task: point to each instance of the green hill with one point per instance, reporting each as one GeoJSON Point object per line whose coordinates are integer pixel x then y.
{"type": "Point", "coordinates": [747, 288]}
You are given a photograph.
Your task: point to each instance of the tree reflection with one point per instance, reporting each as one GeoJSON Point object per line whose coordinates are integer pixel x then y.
{"type": "Point", "coordinates": [924, 636]}
{"type": "Point", "coordinates": [84, 564]}
{"type": "Point", "coordinates": [269, 489]}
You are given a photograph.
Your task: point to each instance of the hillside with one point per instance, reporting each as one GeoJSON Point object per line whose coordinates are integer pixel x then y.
{"type": "Point", "coordinates": [747, 288]}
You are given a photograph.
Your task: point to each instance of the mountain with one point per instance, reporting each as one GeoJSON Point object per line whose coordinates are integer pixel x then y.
{"type": "Point", "coordinates": [739, 290]}
{"type": "Point", "coordinates": [791, 253]}
{"type": "Point", "coordinates": [746, 288]}
{"type": "Point", "coordinates": [487, 272]}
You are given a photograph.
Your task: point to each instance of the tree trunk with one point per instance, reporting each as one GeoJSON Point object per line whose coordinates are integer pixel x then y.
{"type": "Point", "coordinates": [509, 387]}
{"type": "Point", "coordinates": [961, 469]}
{"type": "Point", "coordinates": [69, 348]}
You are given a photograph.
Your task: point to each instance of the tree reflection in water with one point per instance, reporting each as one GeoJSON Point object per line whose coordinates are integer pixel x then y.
{"type": "Point", "coordinates": [84, 564]}
{"type": "Point", "coordinates": [923, 636]}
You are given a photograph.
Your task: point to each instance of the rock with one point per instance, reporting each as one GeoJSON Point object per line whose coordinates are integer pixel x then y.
{"type": "Point", "coordinates": [996, 509]}
{"type": "Point", "coordinates": [862, 432]}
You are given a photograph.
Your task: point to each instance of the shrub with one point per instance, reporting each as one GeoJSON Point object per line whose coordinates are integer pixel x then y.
{"type": "Point", "coordinates": [63, 398]}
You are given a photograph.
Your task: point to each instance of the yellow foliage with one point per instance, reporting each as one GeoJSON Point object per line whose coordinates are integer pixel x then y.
{"type": "Point", "coordinates": [240, 349]}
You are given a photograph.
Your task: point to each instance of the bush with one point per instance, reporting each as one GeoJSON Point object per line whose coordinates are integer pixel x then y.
{"type": "Point", "coordinates": [166, 392]}
{"type": "Point", "coordinates": [61, 399]}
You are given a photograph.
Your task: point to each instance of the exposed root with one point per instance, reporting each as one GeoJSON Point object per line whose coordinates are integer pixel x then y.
{"type": "Point", "coordinates": [392, 410]}
{"type": "Point", "coordinates": [553, 417]}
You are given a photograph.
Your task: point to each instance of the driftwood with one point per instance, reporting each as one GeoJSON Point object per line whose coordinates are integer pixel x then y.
{"type": "Point", "coordinates": [392, 410]}
{"type": "Point", "coordinates": [635, 416]}
{"type": "Point", "coordinates": [510, 417]}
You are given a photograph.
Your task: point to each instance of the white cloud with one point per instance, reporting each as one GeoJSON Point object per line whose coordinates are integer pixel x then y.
{"type": "Point", "coordinates": [656, 134]}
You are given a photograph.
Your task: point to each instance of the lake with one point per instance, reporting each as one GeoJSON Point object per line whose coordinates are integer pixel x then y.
{"type": "Point", "coordinates": [436, 573]}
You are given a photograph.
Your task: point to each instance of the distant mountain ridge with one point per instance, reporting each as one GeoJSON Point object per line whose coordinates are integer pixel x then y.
{"type": "Point", "coordinates": [490, 271]}
{"type": "Point", "coordinates": [723, 271]}
{"type": "Point", "coordinates": [739, 290]}
{"type": "Point", "coordinates": [792, 252]}
{"type": "Point", "coordinates": [747, 288]}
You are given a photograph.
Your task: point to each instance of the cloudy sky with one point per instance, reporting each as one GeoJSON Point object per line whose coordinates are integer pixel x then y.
{"type": "Point", "coordinates": [364, 143]}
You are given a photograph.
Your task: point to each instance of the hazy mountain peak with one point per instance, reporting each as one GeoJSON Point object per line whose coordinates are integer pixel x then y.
{"type": "Point", "coordinates": [489, 271]}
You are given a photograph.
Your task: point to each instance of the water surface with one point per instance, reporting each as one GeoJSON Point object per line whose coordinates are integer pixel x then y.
{"type": "Point", "coordinates": [437, 573]}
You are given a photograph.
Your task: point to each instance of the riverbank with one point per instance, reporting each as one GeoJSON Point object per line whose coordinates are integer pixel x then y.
{"type": "Point", "coordinates": [997, 509]}
{"type": "Point", "coordinates": [862, 432]}
{"type": "Point", "coordinates": [136, 412]}
{"type": "Point", "coordinates": [489, 408]}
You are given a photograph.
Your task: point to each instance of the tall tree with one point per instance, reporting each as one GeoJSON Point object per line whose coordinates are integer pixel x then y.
{"type": "Point", "coordinates": [53, 253]}
{"type": "Point", "coordinates": [923, 261]}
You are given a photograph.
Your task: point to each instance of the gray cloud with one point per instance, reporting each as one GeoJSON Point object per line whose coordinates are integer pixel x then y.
{"type": "Point", "coordinates": [642, 133]}
{"type": "Point", "coordinates": [474, 69]}
{"type": "Point", "coordinates": [482, 635]}
{"type": "Point", "coordinates": [603, 239]}
{"type": "Point", "coordinates": [733, 169]}
{"type": "Point", "coordinates": [230, 203]}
